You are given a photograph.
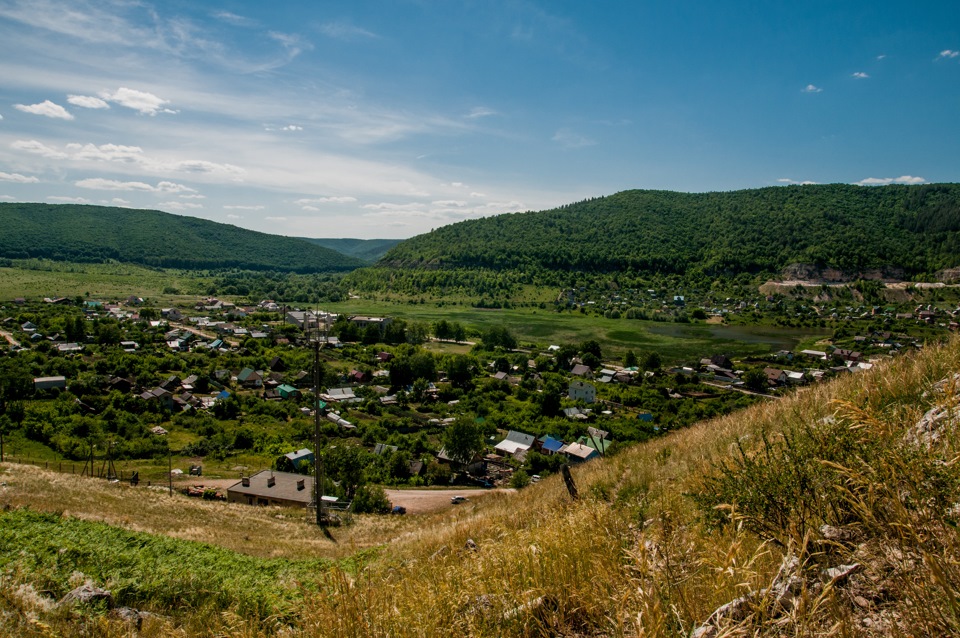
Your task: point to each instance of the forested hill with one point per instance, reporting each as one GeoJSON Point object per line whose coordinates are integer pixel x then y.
{"type": "Point", "coordinates": [369, 250]}
{"type": "Point", "coordinates": [850, 228]}
{"type": "Point", "coordinates": [71, 232]}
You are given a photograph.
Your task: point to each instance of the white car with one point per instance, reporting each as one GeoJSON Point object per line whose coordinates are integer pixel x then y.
{"type": "Point", "coordinates": [457, 499]}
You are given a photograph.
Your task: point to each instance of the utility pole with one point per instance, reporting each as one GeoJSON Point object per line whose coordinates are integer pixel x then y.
{"type": "Point", "coordinates": [318, 405]}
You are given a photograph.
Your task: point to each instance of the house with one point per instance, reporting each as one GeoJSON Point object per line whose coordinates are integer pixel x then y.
{"type": "Point", "coordinates": [364, 322]}
{"type": "Point", "coordinates": [382, 448]}
{"type": "Point", "coordinates": [596, 433]}
{"type": "Point", "coordinates": [50, 383]}
{"type": "Point", "coordinates": [578, 452]}
{"type": "Point", "coordinates": [267, 487]}
{"type": "Point", "coordinates": [576, 413]}
{"type": "Point", "coordinates": [171, 314]}
{"type": "Point", "coordinates": [582, 391]}
{"type": "Point", "coordinates": [121, 385]}
{"type": "Point", "coordinates": [794, 378]}
{"type": "Point", "coordinates": [358, 376]}
{"type": "Point", "coordinates": [28, 326]}
{"type": "Point", "coordinates": [549, 445]}
{"type": "Point", "coordinates": [580, 370]}
{"type": "Point", "coordinates": [847, 355]}
{"type": "Point", "coordinates": [68, 348]}
{"type": "Point", "coordinates": [814, 354]}
{"type": "Point", "coordinates": [250, 378]}
{"type": "Point", "coordinates": [277, 365]}
{"type": "Point", "coordinates": [515, 442]}
{"type": "Point", "coordinates": [287, 391]}
{"type": "Point", "coordinates": [300, 455]}
{"type": "Point", "coordinates": [340, 395]}
{"type": "Point", "coordinates": [385, 357]}
{"type": "Point", "coordinates": [598, 444]}
{"type": "Point", "coordinates": [164, 397]}
{"type": "Point", "coordinates": [775, 376]}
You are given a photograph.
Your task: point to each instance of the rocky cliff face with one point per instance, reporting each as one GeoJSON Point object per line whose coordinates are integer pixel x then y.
{"type": "Point", "coordinates": [811, 272]}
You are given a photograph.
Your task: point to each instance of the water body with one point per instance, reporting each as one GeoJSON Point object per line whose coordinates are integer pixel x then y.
{"type": "Point", "coordinates": [777, 338]}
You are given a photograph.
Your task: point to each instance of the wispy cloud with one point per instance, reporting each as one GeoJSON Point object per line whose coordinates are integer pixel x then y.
{"type": "Point", "coordinates": [69, 200]}
{"type": "Point", "coordinates": [345, 31]}
{"type": "Point", "coordinates": [87, 102]}
{"type": "Point", "coordinates": [860, 75]}
{"type": "Point", "coordinates": [883, 181]}
{"type": "Point", "coordinates": [241, 207]}
{"type": "Point", "coordinates": [275, 219]}
{"type": "Point", "coordinates": [786, 180]}
{"type": "Point", "coordinates": [101, 184]}
{"type": "Point", "coordinates": [140, 101]}
{"type": "Point", "coordinates": [38, 148]}
{"type": "Point", "coordinates": [178, 205]}
{"type": "Point", "coordinates": [480, 111]}
{"type": "Point", "coordinates": [17, 178]}
{"type": "Point", "coordinates": [45, 108]}
{"type": "Point", "coordinates": [570, 139]}
{"type": "Point", "coordinates": [948, 54]}
{"type": "Point", "coordinates": [812, 88]}
{"type": "Point", "coordinates": [234, 19]}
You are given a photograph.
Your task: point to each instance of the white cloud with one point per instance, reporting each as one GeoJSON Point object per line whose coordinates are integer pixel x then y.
{"type": "Point", "coordinates": [948, 54]}
{"type": "Point", "coordinates": [478, 195]}
{"type": "Point", "coordinates": [882, 181]}
{"type": "Point", "coordinates": [292, 127]}
{"type": "Point", "coordinates": [450, 202]}
{"type": "Point", "coordinates": [234, 216]}
{"type": "Point", "coordinates": [480, 111]}
{"type": "Point", "coordinates": [882, 56]}
{"type": "Point", "coordinates": [386, 206]}
{"type": "Point", "coordinates": [202, 166]}
{"type": "Point", "coordinates": [234, 19]}
{"type": "Point", "coordinates": [787, 180]}
{"type": "Point", "coordinates": [193, 196]}
{"type": "Point", "coordinates": [308, 204]}
{"type": "Point", "coordinates": [860, 75]}
{"type": "Point", "coordinates": [241, 207]}
{"type": "Point", "coordinates": [810, 88]}
{"type": "Point", "coordinates": [141, 101]}
{"type": "Point", "coordinates": [87, 102]}
{"type": "Point", "coordinates": [106, 152]}
{"type": "Point", "coordinates": [17, 178]}
{"type": "Point", "coordinates": [7, 198]}
{"type": "Point", "coordinates": [175, 205]}
{"type": "Point", "coordinates": [345, 31]}
{"type": "Point", "coordinates": [70, 200]}
{"type": "Point", "coordinates": [275, 219]}
{"type": "Point", "coordinates": [98, 183]}
{"type": "Point", "coordinates": [570, 139]}
{"type": "Point", "coordinates": [45, 108]}
{"type": "Point", "coordinates": [116, 201]}
{"type": "Point", "coordinates": [38, 148]}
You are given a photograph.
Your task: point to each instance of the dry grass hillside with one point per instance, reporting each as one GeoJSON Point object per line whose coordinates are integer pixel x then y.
{"type": "Point", "coordinates": [830, 513]}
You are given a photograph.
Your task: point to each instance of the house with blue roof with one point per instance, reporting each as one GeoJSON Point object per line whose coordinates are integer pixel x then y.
{"type": "Point", "coordinates": [549, 445]}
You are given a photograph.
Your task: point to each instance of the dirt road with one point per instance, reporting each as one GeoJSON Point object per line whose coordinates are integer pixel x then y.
{"type": "Point", "coordinates": [428, 501]}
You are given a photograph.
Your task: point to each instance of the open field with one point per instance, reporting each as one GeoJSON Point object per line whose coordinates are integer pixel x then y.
{"type": "Point", "coordinates": [99, 281]}
{"type": "Point", "coordinates": [676, 341]}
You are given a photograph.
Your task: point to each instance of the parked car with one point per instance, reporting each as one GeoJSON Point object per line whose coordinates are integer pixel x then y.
{"type": "Point", "coordinates": [457, 499]}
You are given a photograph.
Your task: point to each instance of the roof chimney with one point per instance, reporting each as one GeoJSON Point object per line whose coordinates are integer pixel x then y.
{"type": "Point", "coordinates": [300, 484]}
{"type": "Point", "coordinates": [245, 481]}
{"type": "Point", "coordinates": [271, 481]}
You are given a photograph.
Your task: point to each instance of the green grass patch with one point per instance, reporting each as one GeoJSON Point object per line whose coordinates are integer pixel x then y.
{"type": "Point", "coordinates": [163, 574]}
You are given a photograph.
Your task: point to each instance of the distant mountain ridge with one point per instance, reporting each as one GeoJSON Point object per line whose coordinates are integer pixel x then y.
{"type": "Point", "coordinates": [369, 250]}
{"type": "Point", "coordinates": [912, 229]}
{"type": "Point", "coordinates": [73, 232]}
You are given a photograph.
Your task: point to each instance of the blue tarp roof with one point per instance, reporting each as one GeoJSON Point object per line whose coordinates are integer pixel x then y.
{"type": "Point", "coordinates": [550, 444]}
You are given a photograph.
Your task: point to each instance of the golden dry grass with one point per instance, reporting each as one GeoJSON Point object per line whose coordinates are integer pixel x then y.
{"type": "Point", "coordinates": [633, 556]}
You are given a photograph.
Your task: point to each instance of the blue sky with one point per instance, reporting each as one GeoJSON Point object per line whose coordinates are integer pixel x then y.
{"type": "Point", "coordinates": [386, 119]}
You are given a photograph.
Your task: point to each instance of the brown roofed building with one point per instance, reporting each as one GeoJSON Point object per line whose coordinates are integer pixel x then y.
{"type": "Point", "coordinates": [273, 488]}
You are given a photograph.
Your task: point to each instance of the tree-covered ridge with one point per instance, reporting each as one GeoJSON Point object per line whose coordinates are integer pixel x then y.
{"type": "Point", "coordinates": [369, 250]}
{"type": "Point", "coordinates": [914, 229]}
{"type": "Point", "coordinates": [70, 232]}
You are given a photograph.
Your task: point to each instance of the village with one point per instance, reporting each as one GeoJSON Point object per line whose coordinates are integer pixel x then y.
{"type": "Point", "coordinates": [231, 388]}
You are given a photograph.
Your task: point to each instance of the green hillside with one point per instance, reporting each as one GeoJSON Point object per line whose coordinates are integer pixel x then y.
{"type": "Point", "coordinates": [369, 250]}
{"type": "Point", "coordinates": [908, 230]}
{"type": "Point", "coordinates": [69, 232]}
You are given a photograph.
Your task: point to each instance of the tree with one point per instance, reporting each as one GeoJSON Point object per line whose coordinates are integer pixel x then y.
{"type": "Point", "coordinates": [755, 379]}
{"type": "Point", "coordinates": [441, 330]}
{"type": "Point", "coordinates": [458, 332]}
{"type": "Point", "coordinates": [652, 361]}
{"type": "Point", "coordinates": [463, 440]}
{"type": "Point", "coordinates": [630, 359]}
{"type": "Point", "coordinates": [460, 371]}
{"type": "Point", "coordinates": [591, 346]}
